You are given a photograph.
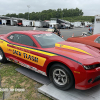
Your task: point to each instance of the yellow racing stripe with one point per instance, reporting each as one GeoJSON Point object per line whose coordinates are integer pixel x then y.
{"type": "Point", "coordinates": [38, 51]}
{"type": "Point", "coordinates": [71, 48]}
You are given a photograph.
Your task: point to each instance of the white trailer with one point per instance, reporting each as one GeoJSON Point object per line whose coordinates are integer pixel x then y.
{"type": "Point", "coordinates": [26, 22]}
{"type": "Point", "coordinates": [87, 24]}
{"type": "Point", "coordinates": [77, 24]}
{"type": "Point", "coordinates": [97, 24]}
{"type": "Point", "coordinates": [38, 24]}
{"type": "Point", "coordinates": [32, 23]}
{"type": "Point", "coordinates": [52, 24]}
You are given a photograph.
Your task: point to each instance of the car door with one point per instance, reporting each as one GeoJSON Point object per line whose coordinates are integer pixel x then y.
{"type": "Point", "coordinates": [23, 50]}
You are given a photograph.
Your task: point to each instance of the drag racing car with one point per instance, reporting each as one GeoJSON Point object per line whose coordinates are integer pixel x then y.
{"type": "Point", "coordinates": [67, 64]}
{"type": "Point", "coordinates": [92, 40]}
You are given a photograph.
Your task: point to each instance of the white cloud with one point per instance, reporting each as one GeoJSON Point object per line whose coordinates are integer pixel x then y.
{"type": "Point", "coordinates": [89, 7]}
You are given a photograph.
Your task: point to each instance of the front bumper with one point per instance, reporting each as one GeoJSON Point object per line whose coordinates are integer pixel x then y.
{"type": "Point", "coordinates": [89, 79]}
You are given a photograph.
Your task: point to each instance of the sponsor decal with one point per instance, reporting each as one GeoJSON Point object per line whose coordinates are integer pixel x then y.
{"type": "Point", "coordinates": [27, 56]}
{"type": "Point", "coordinates": [30, 57]}
{"type": "Point", "coordinates": [16, 52]}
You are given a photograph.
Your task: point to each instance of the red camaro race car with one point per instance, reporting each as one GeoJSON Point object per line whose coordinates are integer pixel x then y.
{"type": "Point", "coordinates": [92, 40]}
{"type": "Point", "coordinates": [65, 63]}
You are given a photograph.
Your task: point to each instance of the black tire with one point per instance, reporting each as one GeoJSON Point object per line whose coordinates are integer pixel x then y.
{"type": "Point", "coordinates": [2, 56]}
{"type": "Point", "coordinates": [61, 76]}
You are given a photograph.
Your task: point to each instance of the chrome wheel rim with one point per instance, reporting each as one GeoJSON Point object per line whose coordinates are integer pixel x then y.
{"type": "Point", "coordinates": [1, 55]}
{"type": "Point", "coordinates": [60, 77]}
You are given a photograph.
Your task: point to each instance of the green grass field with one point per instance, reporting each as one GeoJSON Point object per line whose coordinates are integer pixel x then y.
{"type": "Point", "coordinates": [11, 79]}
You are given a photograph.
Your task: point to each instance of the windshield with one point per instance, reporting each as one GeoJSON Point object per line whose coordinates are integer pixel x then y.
{"type": "Point", "coordinates": [47, 40]}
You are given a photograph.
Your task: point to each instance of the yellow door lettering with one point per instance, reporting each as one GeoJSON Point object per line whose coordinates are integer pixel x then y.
{"type": "Point", "coordinates": [16, 52]}
{"type": "Point", "coordinates": [30, 57]}
{"type": "Point", "coordinates": [27, 56]}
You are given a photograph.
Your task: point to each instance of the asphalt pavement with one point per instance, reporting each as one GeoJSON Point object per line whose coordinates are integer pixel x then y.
{"type": "Point", "coordinates": [66, 33]}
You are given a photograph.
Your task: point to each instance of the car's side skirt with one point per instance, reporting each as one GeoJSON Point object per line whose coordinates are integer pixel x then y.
{"type": "Point", "coordinates": [26, 66]}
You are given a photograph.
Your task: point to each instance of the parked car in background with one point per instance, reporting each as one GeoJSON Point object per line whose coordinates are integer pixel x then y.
{"type": "Point", "coordinates": [92, 40]}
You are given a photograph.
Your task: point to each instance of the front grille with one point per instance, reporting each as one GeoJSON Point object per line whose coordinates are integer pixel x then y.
{"type": "Point", "coordinates": [97, 65]}
{"type": "Point", "coordinates": [96, 79]}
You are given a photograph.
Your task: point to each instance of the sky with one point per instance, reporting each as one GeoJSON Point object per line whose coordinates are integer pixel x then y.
{"type": "Point", "coordinates": [89, 7]}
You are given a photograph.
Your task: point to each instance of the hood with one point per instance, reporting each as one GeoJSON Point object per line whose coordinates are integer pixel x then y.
{"type": "Point", "coordinates": [77, 48]}
{"type": "Point", "coordinates": [76, 51]}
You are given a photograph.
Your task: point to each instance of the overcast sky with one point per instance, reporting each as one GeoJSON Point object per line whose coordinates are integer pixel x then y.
{"type": "Point", "coordinates": [89, 7]}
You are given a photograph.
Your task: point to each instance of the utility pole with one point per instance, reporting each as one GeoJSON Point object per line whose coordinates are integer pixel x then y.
{"type": "Point", "coordinates": [28, 10]}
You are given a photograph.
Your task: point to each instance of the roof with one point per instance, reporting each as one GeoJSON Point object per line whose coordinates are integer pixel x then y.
{"type": "Point", "coordinates": [32, 32]}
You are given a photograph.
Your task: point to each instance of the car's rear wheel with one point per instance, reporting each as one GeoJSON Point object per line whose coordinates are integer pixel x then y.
{"type": "Point", "coordinates": [2, 56]}
{"type": "Point", "coordinates": [61, 76]}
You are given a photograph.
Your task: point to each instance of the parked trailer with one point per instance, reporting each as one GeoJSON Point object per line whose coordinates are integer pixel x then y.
{"type": "Point", "coordinates": [78, 24]}
{"type": "Point", "coordinates": [24, 23]}
{"type": "Point", "coordinates": [97, 24]}
{"type": "Point", "coordinates": [64, 26]}
{"type": "Point", "coordinates": [45, 24]}
{"type": "Point", "coordinates": [38, 24]}
{"type": "Point", "coordinates": [32, 23]}
{"type": "Point", "coordinates": [87, 24]}
{"type": "Point", "coordinates": [52, 24]}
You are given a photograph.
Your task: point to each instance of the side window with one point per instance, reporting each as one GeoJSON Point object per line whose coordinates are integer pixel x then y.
{"type": "Point", "coordinates": [24, 39]}
{"type": "Point", "coordinates": [11, 37]}
{"type": "Point", "coordinates": [21, 38]}
{"type": "Point", "coordinates": [97, 40]}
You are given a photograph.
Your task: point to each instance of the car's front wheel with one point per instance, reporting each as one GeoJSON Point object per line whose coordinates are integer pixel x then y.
{"type": "Point", "coordinates": [2, 56]}
{"type": "Point", "coordinates": [61, 76]}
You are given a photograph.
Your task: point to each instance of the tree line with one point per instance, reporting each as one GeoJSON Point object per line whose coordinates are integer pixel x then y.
{"type": "Point", "coordinates": [80, 18]}
{"type": "Point", "coordinates": [47, 14]}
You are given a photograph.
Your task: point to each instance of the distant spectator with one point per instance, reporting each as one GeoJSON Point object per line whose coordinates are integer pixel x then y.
{"type": "Point", "coordinates": [55, 28]}
{"type": "Point", "coordinates": [91, 29]}
{"type": "Point", "coordinates": [51, 27]}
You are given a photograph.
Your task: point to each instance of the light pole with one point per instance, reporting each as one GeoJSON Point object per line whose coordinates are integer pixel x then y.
{"type": "Point", "coordinates": [62, 15]}
{"type": "Point", "coordinates": [28, 10]}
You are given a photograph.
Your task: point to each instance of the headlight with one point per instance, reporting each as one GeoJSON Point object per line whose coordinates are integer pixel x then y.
{"type": "Point", "coordinates": [87, 67]}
